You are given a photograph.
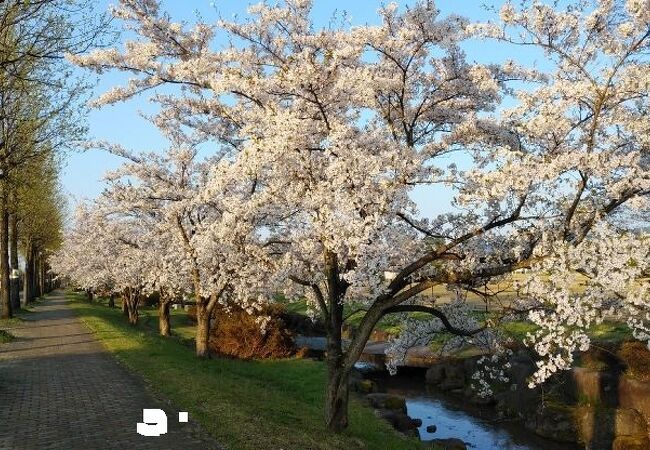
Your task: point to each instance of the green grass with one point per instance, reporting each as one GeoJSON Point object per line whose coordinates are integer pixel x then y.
{"type": "Point", "coordinates": [273, 404]}
{"type": "Point", "coordinates": [181, 326]}
{"type": "Point", "coordinates": [5, 337]}
{"type": "Point", "coordinates": [610, 331]}
{"type": "Point", "coordinates": [391, 324]}
{"type": "Point", "coordinates": [517, 329]}
{"type": "Point", "coordinates": [8, 323]}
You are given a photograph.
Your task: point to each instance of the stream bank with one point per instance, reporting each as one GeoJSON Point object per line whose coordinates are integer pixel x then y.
{"type": "Point", "coordinates": [599, 407]}
{"type": "Point", "coordinates": [445, 419]}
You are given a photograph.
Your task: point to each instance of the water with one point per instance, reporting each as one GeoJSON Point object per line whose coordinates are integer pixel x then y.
{"type": "Point", "coordinates": [479, 433]}
{"type": "Point", "coordinates": [455, 418]}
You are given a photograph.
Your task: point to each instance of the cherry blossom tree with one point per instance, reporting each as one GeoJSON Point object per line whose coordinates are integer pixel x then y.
{"type": "Point", "coordinates": [573, 156]}
{"type": "Point", "coordinates": [323, 133]}
{"type": "Point", "coordinates": [107, 253]}
{"type": "Point", "coordinates": [199, 239]}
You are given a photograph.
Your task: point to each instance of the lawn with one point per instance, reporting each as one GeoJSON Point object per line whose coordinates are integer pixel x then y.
{"type": "Point", "coordinates": [274, 404]}
{"type": "Point", "coordinates": [504, 293]}
{"type": "Point", "coordinates": [5, 328]}
{"type": "Point", "coordinates": [5, 337]}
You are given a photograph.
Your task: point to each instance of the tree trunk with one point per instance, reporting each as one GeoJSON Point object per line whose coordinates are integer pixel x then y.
{"type": "Point", "coordinates": [125, 309]}
{"type": "Point", "coordinates": [5, 297]}
{"type": "Point", "coordinates": [132, 308]}
{"type": "Point", "coordinates": [27, 281]}
{"type": "Point", "coordinates": [202, 329]}
{"type": "Point", "coordinates": [41, 276]}
{"type": "Point", "coordinates": [37, 277]}
{"type": "Point", "coordinates": [163, 318]}
{"type": "Point", "coordinates": [33, 279]}
{"type": "Point", "coordinates": [47, 276]}
{"type": "Point", "coordinates": [133, 315]}
{"type": "Point", "coordinates": [13, 256]}
{"type": "Point", "coordinates": [111, 301]}
{"type": "Point", "coordinates": [337, 395]}
{"type": "Point", "coordinates": [132, 299]}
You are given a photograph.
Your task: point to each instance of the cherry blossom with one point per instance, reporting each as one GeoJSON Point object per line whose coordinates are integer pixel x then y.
{"type": "Point", "coordinates": [320, 136]}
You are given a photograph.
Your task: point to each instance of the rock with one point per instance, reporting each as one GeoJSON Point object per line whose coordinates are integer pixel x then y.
{"type": "Point", "coordinates": [387, 401]}
{"type": "Point", "coordinates": [521, 356]}
{"type": "Point", "coordinates": [629, 422]}
{"type": "Point", "coordinates": [454, 377]}
{"type": "Point", "coordinates": [519, 372]}
{"type": "Point", "coordinates": [554, 422]}
{"type": "Point", "coordinates": [470, 365]}
{"type": "Point", "coordinates": [448, 444]}
{"type": "Point", "coordinates": [482, 401]}
{"type": "Point", "coordinates": [631, 443]}
{"type": "Point", "coordinates": [366, 386]}
{"type": "Point", "coordinates": [634, 394]}
{"type": "Point", "coordinates": [432, 429]}
{"type": "Point", "coordinates": [435, 374]}
{"type": "Point", "coordinates": [399, 420]}
{"type": "Point", "coordinates": [600, 427]}
{"type": "Point", "coordinates": [596, 387]}
{"type": "Point", "coordinates": [517, 400]}
{"type": "Point", "coordinates": [595, 427]}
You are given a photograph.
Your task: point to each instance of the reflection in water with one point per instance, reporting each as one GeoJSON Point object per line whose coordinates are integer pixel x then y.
{"type": "Point", "coordinates": [454, 418]}
{"type": "Point", "coordinates": [457, 424]}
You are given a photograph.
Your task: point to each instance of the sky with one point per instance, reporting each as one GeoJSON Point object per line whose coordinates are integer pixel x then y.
{"type": "Point", "coordinates": [124, 125]}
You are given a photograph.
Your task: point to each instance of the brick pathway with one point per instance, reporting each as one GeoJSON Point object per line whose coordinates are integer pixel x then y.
{"type": "Point", "coordinates": [59, 389]}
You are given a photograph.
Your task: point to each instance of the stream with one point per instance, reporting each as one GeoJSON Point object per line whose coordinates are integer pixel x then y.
{"type": "Point", "coordinates": [455, 418]}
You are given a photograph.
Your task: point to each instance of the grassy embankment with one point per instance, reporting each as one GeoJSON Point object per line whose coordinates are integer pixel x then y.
{"type": "Point", "coordinates": [607, 333]}
{"type": "Point", "coordinates": [7, 324]}
{"type": "Point", "coordinates": [245, 404]}
{"type": "Point", "coordinates": [5, 336]}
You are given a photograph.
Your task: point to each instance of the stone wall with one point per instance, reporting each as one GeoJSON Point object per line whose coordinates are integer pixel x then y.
{"type": "Point", "coordinates": [599, 409]}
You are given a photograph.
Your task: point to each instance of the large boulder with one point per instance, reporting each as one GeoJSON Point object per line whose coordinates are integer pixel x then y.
{"type": "Point", "coordinates": [554, 422]}
{"type": "Point", "coordinates": [399, 420]}
{"type": "Point", "coordinates": [634, 394]}
{"type": "Point", "coordinates": [596, 387]}
{"type": "Point", "coordinates": [387, 401]}
{"type": "Point", "coordinates": [365, 386]}
{"type": "Point", "coordinates": [435, 374]}
{"type": "Point", "coordinates": [595, 427]}
{"type": "Point", "coordinates": [454, 377]}
{"type": "Point", "coordinates": [517, 399]}
{"type": "Point", "coordinates": [600, 427]}
{"type": "Point", "coordinates": [629, 422]}
{"type": "Point", "coordinates": [631, 443]}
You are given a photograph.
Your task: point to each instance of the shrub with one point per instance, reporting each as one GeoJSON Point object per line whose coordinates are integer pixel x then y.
{"type": "Point", "coordinates": [238, 334]}
{"type": "Point", "coordinates": [636, 357]}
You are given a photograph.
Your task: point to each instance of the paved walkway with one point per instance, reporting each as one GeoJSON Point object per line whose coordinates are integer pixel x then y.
{"type": "Point", "coordinates": [60, 389]}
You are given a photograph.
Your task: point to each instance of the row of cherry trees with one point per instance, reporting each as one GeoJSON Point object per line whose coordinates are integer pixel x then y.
{"type": "Point", "coordinates": [315, 139]}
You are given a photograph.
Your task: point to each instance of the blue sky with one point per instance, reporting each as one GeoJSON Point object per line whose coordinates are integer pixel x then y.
{"type": "Point", "coordinates": [123, 124]}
